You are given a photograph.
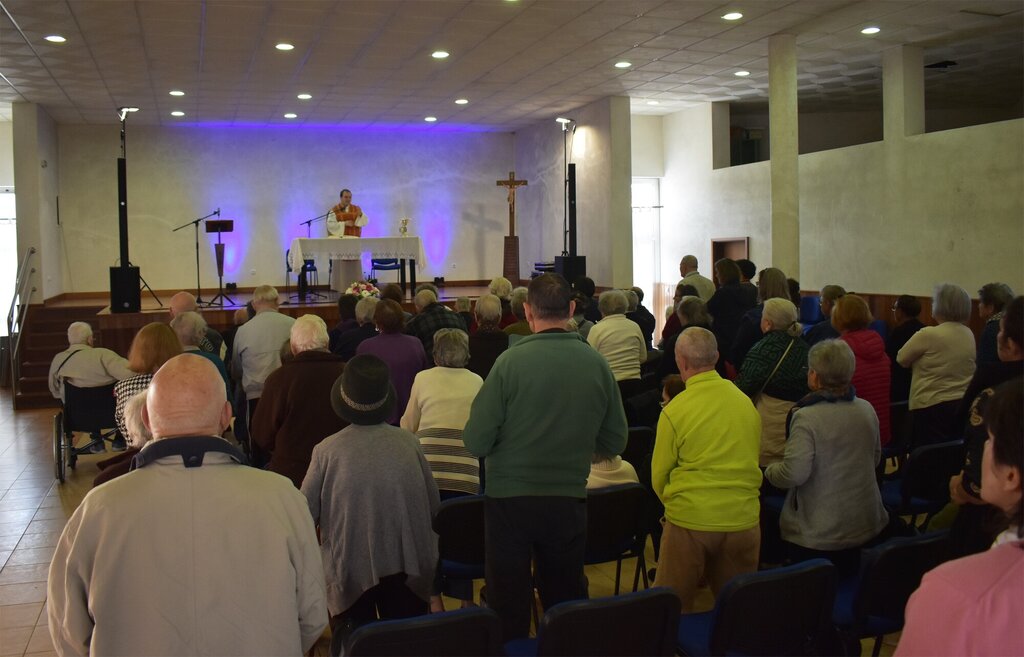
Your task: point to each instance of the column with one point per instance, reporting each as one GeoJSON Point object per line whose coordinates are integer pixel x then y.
{"type": "Point", "coordinates": [783, 132]}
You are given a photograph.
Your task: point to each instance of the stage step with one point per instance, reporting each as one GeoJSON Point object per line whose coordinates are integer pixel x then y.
{"type": "Point", "coordinates": [26, 400]}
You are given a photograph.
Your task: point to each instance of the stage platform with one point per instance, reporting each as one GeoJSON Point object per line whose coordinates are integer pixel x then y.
{"type": "Point", "coordinates": [116, 330]}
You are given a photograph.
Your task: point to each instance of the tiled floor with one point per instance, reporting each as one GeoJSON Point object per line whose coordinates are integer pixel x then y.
{"type": "Point", "coordinates": [34, 509]}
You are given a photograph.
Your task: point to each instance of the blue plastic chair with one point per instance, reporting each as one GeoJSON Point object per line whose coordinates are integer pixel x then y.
{"type": "Point", "coordinates": [459, 524]}
{"type": "Point", "coordinates": [872, 603]}
{"type": "Point", "coordinates": [783, 611]}
{"type": "Point", "coordinates": [642, 623]}
{"type": "Point", "coordinates": [923, 487]}
{"type": "Point", "coordinates": [384, 264]}
{"type": "Point", "coordinates": [465, 632]}
{"type": "Point", "coordinates": [810, 310]}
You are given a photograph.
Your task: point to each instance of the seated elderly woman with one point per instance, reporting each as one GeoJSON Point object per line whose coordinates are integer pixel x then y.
{"type": "Point", "coordinates": [973, 606]}
{"type": "Point", "coordinates": [501, 287]}
{"type": "Point", "coordinates": [620, 341]}
{"type": "Point", "coordinates": [292, 416]}
{"type": "Point", "coordinates": [833, 505]}
{"type": "Point", "coordinates": [489, 341]}
{"type": "Point", "coordinates": [942, 359]}
{"type": "Point", "coordinates": [774, 374]}
{"type": "Point", "coordinates": [403, 353]}
{"type": "Point", "coordinates": [190, 327]}
{"type": "Point", "coordinates": [152, 346]}
{"type": "Point", "coordinates": [690, 311]}
{"type": "Point", "coordinates": [346, 344]}
{"type": "Point", "coordinates": [437, 412]}
{"type": "Point", "coordinates": [771, 284]}
{"type": "Point", "coordinates": [138, 435]}
{"type": "Point", "coordinates": [992, 299]}
{"type": "Point", "coordinates": [372, 495]}
{"type": "Point", "coordinates": [520, 326]}
{"type": "Point", "coordinates": [851, 317]}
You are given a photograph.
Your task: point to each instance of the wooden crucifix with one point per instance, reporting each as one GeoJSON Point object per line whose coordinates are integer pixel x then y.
{"type": "Point", "coordinates": [511, 183]}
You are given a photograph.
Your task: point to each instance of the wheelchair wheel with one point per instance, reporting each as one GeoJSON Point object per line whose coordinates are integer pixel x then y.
{"type": "Point", "coordinates": [59, 470]}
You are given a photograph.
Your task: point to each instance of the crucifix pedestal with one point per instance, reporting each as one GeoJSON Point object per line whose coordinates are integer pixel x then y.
{"type": "Point", "coordinates": [510, 266]}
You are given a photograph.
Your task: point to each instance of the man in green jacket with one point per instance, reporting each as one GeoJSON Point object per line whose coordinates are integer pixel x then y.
{"type": "Point", "coordinates": [548, 405]}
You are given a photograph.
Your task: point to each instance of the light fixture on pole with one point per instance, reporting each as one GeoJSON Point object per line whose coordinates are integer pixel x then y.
{"type": "Point", "coordinates": [568, 125]}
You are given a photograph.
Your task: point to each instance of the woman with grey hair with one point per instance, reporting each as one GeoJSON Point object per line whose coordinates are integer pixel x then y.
{"type": "Point", "coordinates": [833, 506]}
{"type": "Point", "coordinates": [136, 436]}
{"type": "Point", "coordinates": [620, 341]}
{"type": "Point", "coordinates": [347, 344]}
{"type": "Point", "coordinates": [489, 341]}
{"type": "Point", "coordinates": [690, 311]}
{"type": "Point", "coordinates": [942, 360]}
{"type": "Point", "coordinates": [437, 412]}
{"type": "Point", "coordinates": [501, 287]}
{"type": "Point", "coordinates": [992, 299]}
{"type": "Point", "coordinates": [774, 374]}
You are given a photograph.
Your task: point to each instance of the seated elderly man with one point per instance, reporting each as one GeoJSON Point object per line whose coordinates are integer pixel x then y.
{"type": "Point", "coordinates": [704, 469]}
{"type": "Point", "coordinates": [430, 316]}
{"type": "Point", "coordinates": [521, 326]}
{"type": "Point", "coordinates": [639, 314]}
{"type": "Point", "coordinates": [620, 341]}
{"type": "Point", "coordinates": [294, 414]}
{"type": "Point", "coordinates": [256, 351]}
{"type": "Point", "coordinates": [191, 553]}
{"type": "Point", "coordinates": [84, 365]}
{"type": "Point", "coordinates": [213, 342]}
{"type": "Point", "coordinates": [190, 327]}
{"type": "Point", "coordinates": [348, 342]}
{"type": "Point", "coordinates": [347, 322]}
{"type": "Point", "coordinates": [489, 341]}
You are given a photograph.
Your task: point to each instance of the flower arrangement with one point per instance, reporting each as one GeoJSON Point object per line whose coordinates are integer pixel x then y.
{"type": "Point", "coordinates": [363, 289]}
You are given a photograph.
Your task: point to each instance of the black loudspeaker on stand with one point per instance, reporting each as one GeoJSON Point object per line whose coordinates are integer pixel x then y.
{"type": "Point", "coordinates": [125, 294]}
{"type": "Point", "coordinates": [571, 266]}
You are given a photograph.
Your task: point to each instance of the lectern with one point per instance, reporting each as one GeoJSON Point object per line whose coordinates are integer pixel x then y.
{"type": "Point", "coordinates": [220, 226]}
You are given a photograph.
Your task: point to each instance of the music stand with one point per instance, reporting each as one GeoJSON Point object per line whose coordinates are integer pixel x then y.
{"type": "Point", "coordinates": [220, 226]}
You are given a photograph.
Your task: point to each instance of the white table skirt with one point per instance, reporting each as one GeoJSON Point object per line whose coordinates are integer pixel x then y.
{"type": "Point", "coordinates": [334, 248]}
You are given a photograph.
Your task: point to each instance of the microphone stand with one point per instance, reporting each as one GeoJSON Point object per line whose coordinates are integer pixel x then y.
{"type": "Point", "coordinates": [303, 284]}
{"type": "Point", "coordinates": [195, 224]}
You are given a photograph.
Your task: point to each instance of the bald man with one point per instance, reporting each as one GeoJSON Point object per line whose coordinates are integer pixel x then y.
{"type": "Point", "coordinates": [192, 552]}
{"type": "Point", "coordinates": [185, 302]}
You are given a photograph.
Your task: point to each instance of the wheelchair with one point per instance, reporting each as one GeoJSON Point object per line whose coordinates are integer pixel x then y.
{"type": "Point", "coordinates": [87, 410]}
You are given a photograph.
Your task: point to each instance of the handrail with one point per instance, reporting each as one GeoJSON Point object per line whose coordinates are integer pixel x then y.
{"type": "Point", "coordinates": [16, 316]}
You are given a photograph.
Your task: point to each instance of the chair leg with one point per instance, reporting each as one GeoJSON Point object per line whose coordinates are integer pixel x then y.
{"type": "Point", "coordinates": [878, 646]}
{"type": "Point", "coordinates": [618, 574]}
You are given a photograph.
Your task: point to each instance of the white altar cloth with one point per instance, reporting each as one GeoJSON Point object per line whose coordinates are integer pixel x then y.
{"type": "Point", "coordinates": [333, 248]}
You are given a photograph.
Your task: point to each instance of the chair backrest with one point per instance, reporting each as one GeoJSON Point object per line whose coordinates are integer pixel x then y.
{"type": "Point", "coordinates": [810, 310]}
{"type": "Point", "coordinates": [639, 443]}
{"type": "Point", "coordinates": [642, 623]}
{"type": "Point", "coordinates": [614, 521]}
{"type": "Point", "coordinates": [644, 408]}
{"type": "Point", "coordinates": [892, 571]}
{"type": "Point", "coordinates": [473, 631]}
{"type": "Point", "coordinates": [459, 524]}
{"type": "Point", "coordinates": [89, 409]}
{"type": "Point", "coordinates": [385, 263]}
{"type": "Point", "coordinates": [929, 468]}
{"type": "Point", "coordinates": [783, 611]}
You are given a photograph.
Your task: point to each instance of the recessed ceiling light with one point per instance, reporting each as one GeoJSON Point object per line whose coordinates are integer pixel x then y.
{"type": "Point", "coordinates": [871, 30]}
{"type": "Point", "coordinates": [291, 115]}
{"type": "Point", "coordinates": [304, 96]}
{"type": "Point", "coordinates": [285, 46]}
{"type": "Point", "coordinates": [461, 101]}
{"type": "Point", "coordinates": [430, 119]}
{"type": "Point", "coordinates": [623, 64]}
{"type": "Point", "coordinates": [652, 102]}
{"type": "Point", "coordinates": [439, 54]}
{"type": "Point", "coordinates": [733, 16]}
{"type": "Point", "coordinates": [176, 92]}
{"type": "Point", "coordinates": [741, 74]}
{"type": "Point", "coordinates": [55, 38]}
{"type": "Point", "coordinates": [177, 113]}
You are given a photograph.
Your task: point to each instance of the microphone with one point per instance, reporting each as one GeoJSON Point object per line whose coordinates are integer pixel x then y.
{"type": "Point", "coordinates": [218, 212]}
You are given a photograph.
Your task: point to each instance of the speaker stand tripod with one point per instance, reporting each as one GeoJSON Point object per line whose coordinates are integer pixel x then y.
{"type": "Point", "coordinates": [220, 226]}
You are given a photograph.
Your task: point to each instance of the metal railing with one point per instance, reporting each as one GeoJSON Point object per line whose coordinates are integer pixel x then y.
{"type": "Point", "coordinates": [16, 316]}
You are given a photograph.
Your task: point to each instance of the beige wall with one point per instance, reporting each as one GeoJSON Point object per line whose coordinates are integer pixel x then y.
{"type": "Point", "coordinates": [268, 181]}
{"type": "Point", "coordinates": [6, 154]}
{"type": "Point", "coordinates": [36, 170]}
{"type": "Point", "coordinates": [894, 216]}
{"type": "Point", "coordinates": [647, 146]}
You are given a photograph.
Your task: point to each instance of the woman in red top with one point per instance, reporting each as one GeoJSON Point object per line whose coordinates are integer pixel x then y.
{"type": "Point", "coordinates": [851, 317]}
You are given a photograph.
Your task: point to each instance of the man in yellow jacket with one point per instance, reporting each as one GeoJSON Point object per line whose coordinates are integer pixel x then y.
{"type": "Point", "coordinates": [705, 471]}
